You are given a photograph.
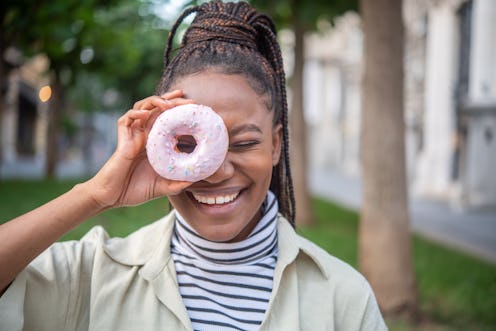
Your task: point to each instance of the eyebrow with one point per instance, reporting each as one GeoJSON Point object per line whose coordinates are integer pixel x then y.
{"type": "Point", "coordinates": [244, 128]}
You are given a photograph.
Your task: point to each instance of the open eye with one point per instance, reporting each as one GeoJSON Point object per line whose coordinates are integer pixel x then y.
{"type": "Point", "coordinates": [185, 144]}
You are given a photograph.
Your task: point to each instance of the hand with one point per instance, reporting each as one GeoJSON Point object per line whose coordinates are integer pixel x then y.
{"type": "Point", "coordinates": [128, 178]}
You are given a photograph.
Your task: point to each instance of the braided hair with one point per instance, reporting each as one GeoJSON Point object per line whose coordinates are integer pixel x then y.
{"type": "Point", "coordinates": [236, 39]}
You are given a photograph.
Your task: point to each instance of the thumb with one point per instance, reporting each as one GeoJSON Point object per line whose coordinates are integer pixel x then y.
{"type": "Point", "coordinates": [170, 187]}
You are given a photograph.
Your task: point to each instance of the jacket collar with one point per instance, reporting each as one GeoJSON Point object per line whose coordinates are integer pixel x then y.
{"type": "Point", "coordinates": [291, 244]}
{"type": "Point", "coordinates": [139, 247]}
{"type": "Point", "coordinates": [150, 246]}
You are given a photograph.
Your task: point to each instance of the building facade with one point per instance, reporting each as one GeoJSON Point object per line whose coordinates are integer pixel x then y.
{"type": "Point", "coordinates": [24, 122]}
{"type": "Point", "coordinates": [24, 129]}
{"type": "Point", "coordinates": [450, 98]}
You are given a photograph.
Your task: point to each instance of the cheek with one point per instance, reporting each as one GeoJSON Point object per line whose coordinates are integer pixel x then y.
{"type": "Point", "coordinates": [256, 165]}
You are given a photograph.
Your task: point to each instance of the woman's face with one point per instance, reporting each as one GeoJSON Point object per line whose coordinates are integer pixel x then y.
{"type": "Point", "coordinates": [243, 179]}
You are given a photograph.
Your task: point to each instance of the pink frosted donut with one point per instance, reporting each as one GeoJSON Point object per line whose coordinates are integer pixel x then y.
{"type": "Point", "coordinates": [200, 122]}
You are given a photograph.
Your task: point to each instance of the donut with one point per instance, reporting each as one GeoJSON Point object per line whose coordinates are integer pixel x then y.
{"type": "Point", "coordinates": [201, 123]}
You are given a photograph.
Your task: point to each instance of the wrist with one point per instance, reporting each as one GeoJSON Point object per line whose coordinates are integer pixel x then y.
{"type": "Point", "coordinates": [89, 194]}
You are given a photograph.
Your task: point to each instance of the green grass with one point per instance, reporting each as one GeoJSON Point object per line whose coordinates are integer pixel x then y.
{"type": "Point", "coordinates": [456, 292]}
{"type": "Point", "coordinates": [335, 231]}
{"type": "Point", "coordinates": [18, 196]}
{"type": "Point", "coordinates": [455, 288]}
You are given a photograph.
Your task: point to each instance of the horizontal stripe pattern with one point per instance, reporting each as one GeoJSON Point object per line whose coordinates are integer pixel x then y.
{"type": "Point", "coordinates": [227, 286]}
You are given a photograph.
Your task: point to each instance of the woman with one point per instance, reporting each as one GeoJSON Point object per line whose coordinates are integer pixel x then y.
{"type": "Point", "coordinates": [227, 256]}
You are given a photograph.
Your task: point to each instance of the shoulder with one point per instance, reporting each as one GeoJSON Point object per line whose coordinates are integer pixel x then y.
{"type": "Point", "coordinates": [135, 249]}
{"type": "Point", "coordinates": [139, 246]}
{"type": "Point", "coordinates": [314, 258]}
{"type": "Point", "coordinates": [62, 257]}
{"type": "Point", "coordinates": [349, 299]}
{"type": "Point", "coordinates": [338, 272]}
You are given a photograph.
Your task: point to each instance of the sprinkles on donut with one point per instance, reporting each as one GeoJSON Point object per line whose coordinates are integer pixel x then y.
{"type": "Point", "coordinates": [209, 147]}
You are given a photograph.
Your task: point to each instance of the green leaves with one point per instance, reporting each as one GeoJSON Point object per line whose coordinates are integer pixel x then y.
{"type": "Point", "coordinates": [308, 13]}
{"type": "Point", "coordinates": [93, 44]}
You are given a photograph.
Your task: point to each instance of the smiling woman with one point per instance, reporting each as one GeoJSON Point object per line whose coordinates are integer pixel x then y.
{"type": "Point", "coordinates": [254, 149]}
{"type": "Point", "coordinates": [227, 256]}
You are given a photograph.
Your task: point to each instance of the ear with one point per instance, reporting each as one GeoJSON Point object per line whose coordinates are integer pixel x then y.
{"type": "Point", "coordinates": [276, 143]}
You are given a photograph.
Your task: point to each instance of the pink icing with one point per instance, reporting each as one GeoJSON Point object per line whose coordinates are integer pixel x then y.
{"type": "Point", "coordinates": [209, 132]}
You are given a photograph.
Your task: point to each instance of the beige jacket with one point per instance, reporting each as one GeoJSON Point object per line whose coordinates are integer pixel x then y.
{"type": "Point", "coordinates": [129, 283]}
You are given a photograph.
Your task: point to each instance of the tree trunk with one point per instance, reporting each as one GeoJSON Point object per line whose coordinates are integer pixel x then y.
{"type": "Point", "coordinates": [299, 155]}
{"type": "Point", "coordinates": [3, 84]}
{"type": "Point", "coordinates": [384, 234]}
{"type": "Point", "coordinates": [54, 122]}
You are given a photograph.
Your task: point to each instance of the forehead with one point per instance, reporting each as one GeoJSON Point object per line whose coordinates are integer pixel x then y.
{"type": "Point", "coordinates": [230, 95]}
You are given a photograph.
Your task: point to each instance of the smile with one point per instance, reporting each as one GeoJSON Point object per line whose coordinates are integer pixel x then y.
{"type": "Point", "coordinates": [215, 200]}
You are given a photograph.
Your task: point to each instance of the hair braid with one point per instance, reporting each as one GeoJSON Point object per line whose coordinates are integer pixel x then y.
{"type": "Point", "coordinates": [172, 33]}
{"type": "Point", "coordinates": [285, 173]}
{"type": "Point", "coordinates": [236, 39]}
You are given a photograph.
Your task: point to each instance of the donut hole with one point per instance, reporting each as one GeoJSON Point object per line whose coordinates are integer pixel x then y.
{"type": "Point", "coordinates": [185, 144]}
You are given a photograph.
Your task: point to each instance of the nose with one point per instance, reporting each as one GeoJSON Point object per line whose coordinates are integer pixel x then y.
{"type": "Point", "coordinates": [225, 171]}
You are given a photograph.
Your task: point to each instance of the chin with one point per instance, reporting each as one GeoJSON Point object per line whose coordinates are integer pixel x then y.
{"type": "Point", "coordinates": [221, 234]}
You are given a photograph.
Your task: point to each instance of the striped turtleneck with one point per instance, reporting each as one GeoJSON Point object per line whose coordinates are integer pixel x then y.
{"type": "Point", "coordinates": [227, 286]}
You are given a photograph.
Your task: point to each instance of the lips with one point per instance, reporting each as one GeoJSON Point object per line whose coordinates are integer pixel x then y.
{"type": "Point", "coordinates": [215, 199]}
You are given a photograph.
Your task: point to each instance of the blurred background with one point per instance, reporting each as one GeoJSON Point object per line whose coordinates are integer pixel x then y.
{"type": "Point", "coordinates": [70, 68]}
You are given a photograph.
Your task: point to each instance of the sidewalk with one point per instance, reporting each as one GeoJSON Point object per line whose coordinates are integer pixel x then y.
{"type": "Point", "coordinates": [473, 232]}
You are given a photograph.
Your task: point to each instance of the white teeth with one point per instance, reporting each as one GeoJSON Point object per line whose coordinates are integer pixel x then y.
{"type": "Point", "coordinates": [212, 200]}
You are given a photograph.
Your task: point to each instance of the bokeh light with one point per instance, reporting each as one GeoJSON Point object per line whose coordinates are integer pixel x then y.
{"type": "Point", "coordinates": [45, 93]}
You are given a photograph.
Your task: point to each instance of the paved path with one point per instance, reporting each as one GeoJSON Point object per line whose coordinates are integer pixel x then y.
{"type": "Point", "coordinates": [473, 232]}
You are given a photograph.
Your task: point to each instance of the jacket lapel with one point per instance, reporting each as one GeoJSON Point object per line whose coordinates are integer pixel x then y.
{"type": "Point", "coordinates": [283, 310]}
{"type": "Point", "coordinates": [160, 272]}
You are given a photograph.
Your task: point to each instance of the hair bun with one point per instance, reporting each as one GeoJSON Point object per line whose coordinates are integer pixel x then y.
{"type": "Point", "coordinates": [229, 22]}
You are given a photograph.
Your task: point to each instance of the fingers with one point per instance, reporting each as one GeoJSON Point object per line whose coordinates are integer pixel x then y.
{"type": "Point", "coordinates": [163, 101]}
{"type": "Point", "coordinates": [133, 115]}
{"type": "Point", "coordinates": [172, 95]}
{"type": "Point", "coordinates": [133, 127]}
{"type": "Point", "coordinates": [132, 123]}
{"type": "Point", "coordinates": [145, 112]}
{"type": "Point", "coordinates": [151, 103]}
{"type": "Point", "coordinates": [155, 105]}
{"type": "Point", "coordinates": [157, 111]}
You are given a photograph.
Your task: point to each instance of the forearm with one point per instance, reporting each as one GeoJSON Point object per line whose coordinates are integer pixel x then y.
{"type": "Point", "coordinates": [25, 237]}
{"type": "Point", "coordinates": [126, 179]}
